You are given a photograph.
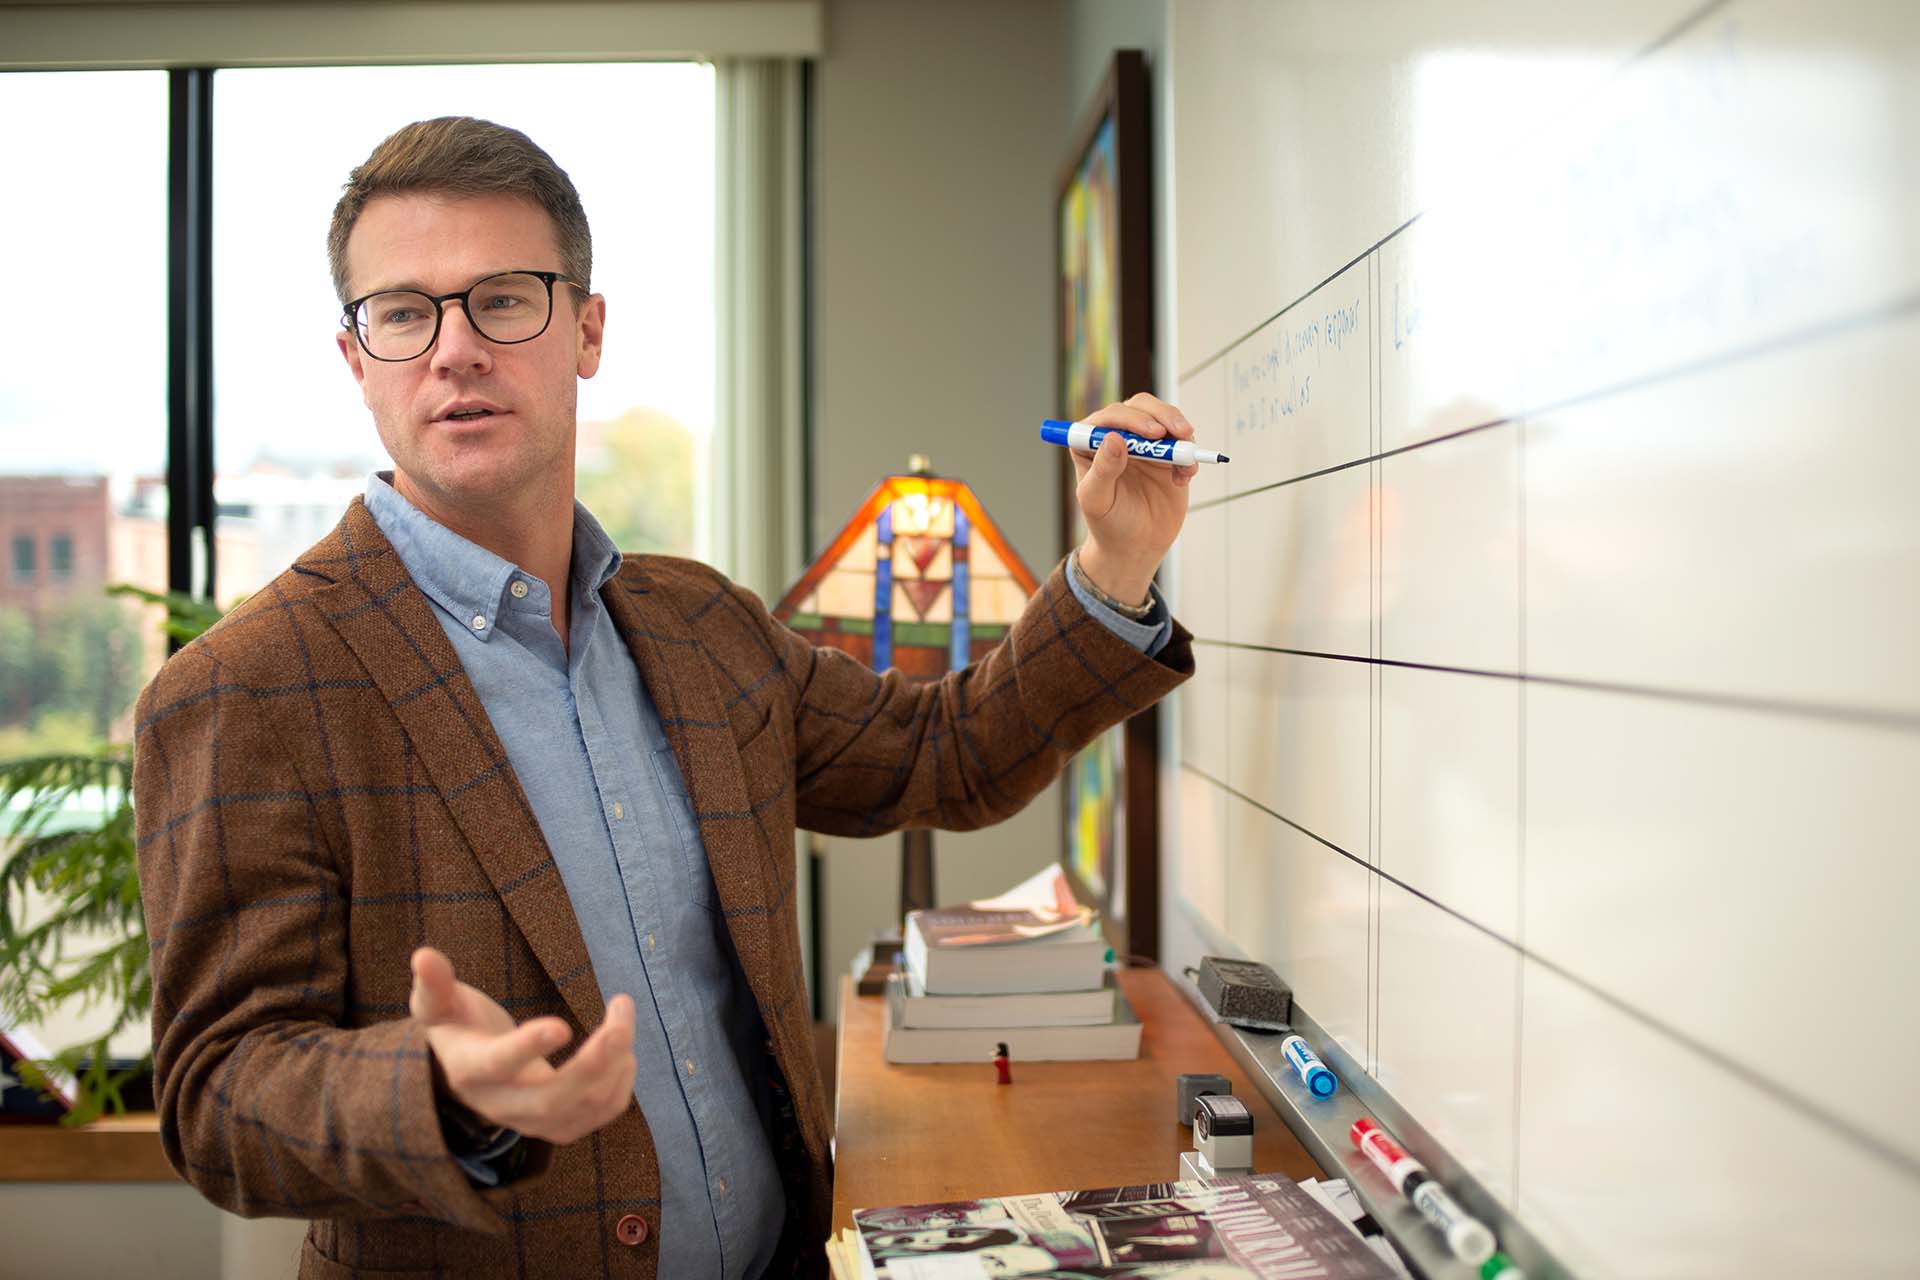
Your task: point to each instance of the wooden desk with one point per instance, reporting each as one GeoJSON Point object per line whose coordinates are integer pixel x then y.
{"type": "Point", "coordinates": [111, 1149]}
{"type": "Point", "coordinates": [920, 1134]}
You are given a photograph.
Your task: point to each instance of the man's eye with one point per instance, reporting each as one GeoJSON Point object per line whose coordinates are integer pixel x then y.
{"type": "Point", "coordinates": [504, 302]}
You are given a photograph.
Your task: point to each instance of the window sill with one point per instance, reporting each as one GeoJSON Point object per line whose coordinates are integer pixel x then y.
{"type": "Point", "coordinates": [116, 1149]}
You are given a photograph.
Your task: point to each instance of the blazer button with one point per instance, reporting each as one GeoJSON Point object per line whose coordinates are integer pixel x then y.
{"type": "Point", "coordinates": [631, 1229]}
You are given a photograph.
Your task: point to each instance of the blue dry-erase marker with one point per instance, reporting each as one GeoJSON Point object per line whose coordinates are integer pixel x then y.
{"type": "Point", "coordinates": [1085, 437]}
{"type": "Point", "coordinates": [1314, 1074]}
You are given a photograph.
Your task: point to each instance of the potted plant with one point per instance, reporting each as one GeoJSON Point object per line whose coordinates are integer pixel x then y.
{"type": "Point", "coordinates": [85, 943]}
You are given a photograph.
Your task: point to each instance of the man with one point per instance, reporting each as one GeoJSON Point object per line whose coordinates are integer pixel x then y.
{"type": "Point", "coordinates": [466, 844]}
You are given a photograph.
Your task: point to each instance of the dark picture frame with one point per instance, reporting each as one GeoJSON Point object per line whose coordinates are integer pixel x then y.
{"type": "Point", "coordinates": [1103, 245]}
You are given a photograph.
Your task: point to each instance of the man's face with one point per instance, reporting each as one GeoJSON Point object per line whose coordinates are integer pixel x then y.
{"type": "Point", "coordinates": [529, 390]}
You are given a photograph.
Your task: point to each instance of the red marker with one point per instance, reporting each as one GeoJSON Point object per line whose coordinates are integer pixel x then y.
{"type": "Point", "coordinates": [1470, 1241]}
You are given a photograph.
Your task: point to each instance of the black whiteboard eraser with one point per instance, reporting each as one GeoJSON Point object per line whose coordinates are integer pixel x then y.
{"type": "Point", "coordinates": [1246, 993]}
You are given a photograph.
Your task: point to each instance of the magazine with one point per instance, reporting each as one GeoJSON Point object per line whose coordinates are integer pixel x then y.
{"type": "Point", "coordinates": [1251, 1227]}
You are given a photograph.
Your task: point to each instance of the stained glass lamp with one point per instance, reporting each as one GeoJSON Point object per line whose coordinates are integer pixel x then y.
{"type": "Point", "coordinates": [921, 580]}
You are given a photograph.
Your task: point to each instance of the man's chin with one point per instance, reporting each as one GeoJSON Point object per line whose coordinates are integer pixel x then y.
{"type": "Point", "coordinates": [468, 482]}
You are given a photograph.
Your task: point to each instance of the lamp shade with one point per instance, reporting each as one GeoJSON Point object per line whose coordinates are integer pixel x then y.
{"type": "Point", "coordinates": [920, 579]}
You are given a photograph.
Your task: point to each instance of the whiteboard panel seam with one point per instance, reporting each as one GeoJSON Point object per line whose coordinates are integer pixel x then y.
{"type": "Point", "coordinates": [1866, 1140]}
{"type": "Point", "coordinates": [1864, 717]}
{"type": "Point", "coordinates": [1837, 326]}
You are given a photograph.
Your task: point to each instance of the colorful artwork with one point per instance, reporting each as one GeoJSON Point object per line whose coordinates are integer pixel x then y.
{"type": "Point", "coordinates": [1090, 281]}
{"type": "Point", "coordinates": [1090, 371]}
{"type": "Point", "coordinates": [920, 579]}
{"type": "Point", "coordinates": [1094, 801]}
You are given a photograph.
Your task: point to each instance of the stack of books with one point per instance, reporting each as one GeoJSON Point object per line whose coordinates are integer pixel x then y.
{"type": "Point", "coordinates": [1028, 970]}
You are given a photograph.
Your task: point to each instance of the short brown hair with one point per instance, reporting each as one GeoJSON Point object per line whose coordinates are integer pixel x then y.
{"type": "Point", "coordinates": [460, 156]}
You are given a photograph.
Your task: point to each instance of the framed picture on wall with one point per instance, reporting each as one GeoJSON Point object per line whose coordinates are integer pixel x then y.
{"type": "Point", "coordinates": [1104, 314]}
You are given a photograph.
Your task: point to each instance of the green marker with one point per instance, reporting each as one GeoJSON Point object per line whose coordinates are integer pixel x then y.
{"type": "Point", "coordinates": [1500, 1267]}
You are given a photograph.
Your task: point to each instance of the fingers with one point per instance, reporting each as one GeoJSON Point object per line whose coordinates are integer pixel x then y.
{"type": "Point", "coordinates": [505, 1057]}
{"type": "Point", "coordinates": [1128, 417]}
{"type": "Point", "coordinates": [432, 999]}
{"type": "Point", "coordinates": [1145, 415]}
{"type": "Point", "coordinates": [594, 1087]}
{"type": "Point", "coordinates": [1100, 481]}
{"type": "Point", "coordinates": [603, 1050]}
{"type": "Point", "coordinates": [1166, 415]}
{"type": "Point", "coordinates": [505, 1078]}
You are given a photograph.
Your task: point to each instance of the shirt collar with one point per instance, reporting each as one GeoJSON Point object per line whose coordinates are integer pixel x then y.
{"type": "Point", "coordinates": [466, 579]}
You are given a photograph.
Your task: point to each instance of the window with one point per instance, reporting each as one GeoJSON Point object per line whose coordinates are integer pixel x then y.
{"type": "Point", "coordinates": [83, 413]}
{"type": "Point", "coordinates": [294, 442]}
{"type": "Point", "coordinates": [83, 388]}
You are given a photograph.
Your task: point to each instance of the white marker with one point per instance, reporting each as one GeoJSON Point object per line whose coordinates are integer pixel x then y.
{"type": "Point", "coordinates": [1084, 437]}
{"type": "Point", "coordinates": [1469, 1239]}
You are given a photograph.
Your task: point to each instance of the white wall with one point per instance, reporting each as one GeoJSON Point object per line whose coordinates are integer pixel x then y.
{"type": "Point", "coordinates": [80, 1231]}
{"type": "Point", "coordinates": [938, 129]}
{"type": "Point", "coordinates": [1559, 693]}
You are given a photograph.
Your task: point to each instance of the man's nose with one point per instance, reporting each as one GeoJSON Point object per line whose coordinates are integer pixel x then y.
{"type": "Point", "coordinates": [460, 345]}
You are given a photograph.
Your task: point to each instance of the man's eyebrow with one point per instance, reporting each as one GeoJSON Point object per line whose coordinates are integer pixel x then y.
{"type": "Point", "coordinates": [414, 286]}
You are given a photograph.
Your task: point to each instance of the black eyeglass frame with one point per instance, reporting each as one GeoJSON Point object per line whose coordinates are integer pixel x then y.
{"type": "Point", "coordinates": [548, 278]}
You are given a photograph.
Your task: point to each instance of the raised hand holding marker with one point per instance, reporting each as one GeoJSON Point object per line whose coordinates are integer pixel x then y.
{"type": "Point", "coordinates": [1084, 437]}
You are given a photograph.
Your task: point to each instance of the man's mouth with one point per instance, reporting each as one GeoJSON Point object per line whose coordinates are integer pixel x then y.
{"type": "Point", "coordinates": [468, 415]}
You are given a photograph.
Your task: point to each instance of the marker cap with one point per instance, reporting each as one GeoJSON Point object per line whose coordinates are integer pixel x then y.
{"type": "Point", "coordinates": [1500, 1267]}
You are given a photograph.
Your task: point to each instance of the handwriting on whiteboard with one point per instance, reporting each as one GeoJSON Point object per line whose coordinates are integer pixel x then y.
{"type": "Point", "coordinates": [1274, 381]}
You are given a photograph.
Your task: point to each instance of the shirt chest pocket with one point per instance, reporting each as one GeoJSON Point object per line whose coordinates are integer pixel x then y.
{"type": "Point", "coordinates": [689, 853]}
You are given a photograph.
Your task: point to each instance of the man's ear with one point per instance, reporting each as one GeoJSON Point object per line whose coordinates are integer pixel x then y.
{"type": "Point", "coordinates": [590, 329]}
{"type": "Point", "coordinates": [351, 353]}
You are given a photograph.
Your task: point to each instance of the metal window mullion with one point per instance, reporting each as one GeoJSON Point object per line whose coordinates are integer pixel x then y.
{"type": "Point", "coordinates": [190, 508]}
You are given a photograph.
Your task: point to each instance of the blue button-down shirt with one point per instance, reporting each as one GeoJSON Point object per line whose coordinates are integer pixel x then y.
{"type": "Point", "coordinates": [586, 744]}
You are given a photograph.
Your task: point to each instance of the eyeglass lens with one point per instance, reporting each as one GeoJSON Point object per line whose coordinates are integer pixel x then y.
{"type": "Point", "coordinates": [400, 324]}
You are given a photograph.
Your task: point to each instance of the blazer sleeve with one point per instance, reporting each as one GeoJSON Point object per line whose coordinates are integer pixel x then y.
{"type": "Point", "coordinates": [268, 1105]}
{"type": "Point", "coordinates": [878, 752]}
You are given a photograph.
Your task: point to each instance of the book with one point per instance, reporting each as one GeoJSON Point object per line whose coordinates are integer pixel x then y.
{"type": "Point", "coordinates": [1250, 1227]}
{"type": "Point", "coordinates": [955, 951]}
{"type": "Point", "coordinates": [21, 1100]}
{"type": "Point", "coordinates": [1117, 1038]}
{"type": "Point", "coordinates": [1034, 1009]}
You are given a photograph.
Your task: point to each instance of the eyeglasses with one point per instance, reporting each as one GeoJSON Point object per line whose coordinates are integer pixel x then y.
{"type": "Point", "coordinates": [403, 324]}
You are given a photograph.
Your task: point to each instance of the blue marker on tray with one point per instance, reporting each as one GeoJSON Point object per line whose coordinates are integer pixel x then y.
{"type": "Point", "coordinates": [1084, 437]}
{"type": "Point", "coordinates": [1314, 1074]}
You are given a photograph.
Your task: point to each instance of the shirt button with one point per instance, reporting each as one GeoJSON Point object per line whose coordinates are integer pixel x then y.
{"type": "Point", "coordinates": [631, 1230]}
{"type": "Point", "coordinates": [651, 944]}
{"type": "Point", "coordinates": [618, 811]}
{"type": "Point", "coordinates": [479, 622]}
{"type": "Point", "coordinates": [690, 1067]}
{"type": "Point", "coordinates": [720, 1186]}
{"type": "Point", "coordinates": [519, 589]}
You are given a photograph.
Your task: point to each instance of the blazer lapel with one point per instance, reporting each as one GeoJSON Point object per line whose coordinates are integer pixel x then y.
{"type": "Point", "coordinates": [390, 626]}
{"type": "Point", "coordinates": [680, 680]}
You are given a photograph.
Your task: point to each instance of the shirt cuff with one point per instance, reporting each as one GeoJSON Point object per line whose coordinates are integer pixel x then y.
{"type": "Point", "coordinates": [485, 1167]}
{"type": "Point", "coordinates": [1149, 635]}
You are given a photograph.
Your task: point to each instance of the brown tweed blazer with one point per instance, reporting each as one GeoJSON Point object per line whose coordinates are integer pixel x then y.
{"type": "Point", "coordinates": [319, 791]}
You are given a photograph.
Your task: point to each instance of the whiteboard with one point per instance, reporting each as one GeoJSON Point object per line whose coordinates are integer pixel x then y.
{"type": "Point", "coordinates": [1557, 716]}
